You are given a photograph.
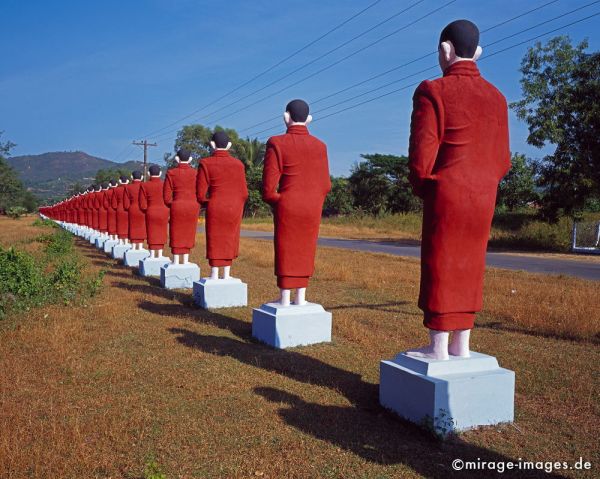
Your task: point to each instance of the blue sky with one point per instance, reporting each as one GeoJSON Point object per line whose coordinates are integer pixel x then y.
{"type": "Point", "coordinates": [94, 76]}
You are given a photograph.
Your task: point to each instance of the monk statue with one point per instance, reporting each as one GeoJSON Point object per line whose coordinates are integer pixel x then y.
{"type": "Point", "coordinates": [136, 217]}
{"type": "Point", "coordinates": [118, 203]}
{"type": "Point", "coordinates": [295, 183]}
{"type": "Point", "coordinates": [458, 154]}
{"type": "Point", "coordinates": [179, 194]}
{"type": "Point", "coordinates": [221, 188]}
{"type": "Point", "coordinates": [157, 214]}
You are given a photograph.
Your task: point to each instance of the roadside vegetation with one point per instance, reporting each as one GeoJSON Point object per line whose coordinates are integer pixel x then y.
{"type": "Point", "coordinates": [42, 269]}
{"type": "Point", "coordinates": [138, 382]}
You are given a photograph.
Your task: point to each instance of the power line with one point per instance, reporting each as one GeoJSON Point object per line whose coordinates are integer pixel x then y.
{"type": "Point", "coordinates": [379, 75]}
{"type": "Point", "coordinates": [436, 76]}
{"type": "Point", "coordinates": [320, 57]}
{"type": "Point", "coordinates": [271, 68]}
{"type": "Point", "coordinates": [426, 69]}
{"type": "Point", "coordinates": [145, 144]}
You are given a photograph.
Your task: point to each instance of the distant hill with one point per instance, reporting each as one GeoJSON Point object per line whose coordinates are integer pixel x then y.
{"type": "Point", "coordinates": [51, 175]}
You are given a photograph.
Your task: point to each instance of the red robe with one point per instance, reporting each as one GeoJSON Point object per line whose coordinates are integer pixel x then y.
{"type": "Point", "coordinates": [221, 186]}
{"type": "Point", "coordinates": [295, 183]}
{"type": "Point", "coordinates": [102, 211]}
{"type": "Point", "coordinates": [95, 210]}
{"type": "Point", "coordinates": [112, 213]}
{"type": "Point", "coordinates": [458, 153]}
{"type": "Point", "coordinates": [157, 214]}
{"type": "Point", "coordinates": [179, 194]}
{"type": "Point", "coordinates": [137, 219]}
{"type": "Point", "coordinates": [81, 210]}
{"type": "Point", "coordinates": [122, 215]}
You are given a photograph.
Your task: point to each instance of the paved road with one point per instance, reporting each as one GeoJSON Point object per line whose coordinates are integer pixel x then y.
{"type": "Point", "coordinates": [533, 264]}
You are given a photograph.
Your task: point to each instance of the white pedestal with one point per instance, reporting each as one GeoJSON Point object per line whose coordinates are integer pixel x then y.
{"type": "Point", "coordinates": [220, 293]}
{"type": "Point", "coordinates": [108, 245]}
{"type": "Point", "coordinates": [179, 276]}
{"type": "Point", "coordinates": [289, 326]}
{"type": "Point", "coordinates": [453, 395]}
{"type": "Point", "coordinates": [100, 240]}
{"type": "Point", "coordinates": [93, 237]}
{"type": "Point", "coordinates": [118, 251]}
{"type": "Point", "coordinates": [151, 266]}
{"type": "Point", "coordinates": [133, 257]}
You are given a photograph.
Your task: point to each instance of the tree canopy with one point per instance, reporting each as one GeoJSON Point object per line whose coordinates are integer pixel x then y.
{"type": "Point", "coordinates": [561, 106]}
{"type": "Point", "coordinates": [12, 192]}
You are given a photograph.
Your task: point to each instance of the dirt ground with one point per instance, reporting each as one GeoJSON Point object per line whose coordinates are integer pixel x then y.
{"type": "Point", "coordinates": [140, 378]}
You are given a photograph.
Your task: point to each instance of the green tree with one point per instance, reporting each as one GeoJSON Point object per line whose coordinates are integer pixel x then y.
{"type": "Point", "coordinates": [105, 175]}
{"type": "Point", "coordinates": [12, 192]}
{"type": "Point", "coordinates": [561, 106]}
{"type": "Point", "coordinates": [339, 199]}
{"type": "Point", "coordinates": [196, 138]}
{"type": "Point", "coordinates": [380, 185]}
{"type": "Point", "coordinates": [517, 188]}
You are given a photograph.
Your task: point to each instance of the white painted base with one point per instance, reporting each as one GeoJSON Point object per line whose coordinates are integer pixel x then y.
{"type": "Point", "coordinates": [132, 257]}
{"type": "Point", "coordinates": [452, 395]}
{"type": "Point", "coordinates": [220, 293]}
{"type": "Point", "coordinates": [179, 276]}
{"type": "Point", "coordinates": [109, 245]}
{"type": "Point", "coordinates": [290, 326]}
{"type": "Point", "coordinates": [119, 250]}
{"type": "Point", "coordinates": [151, 266]}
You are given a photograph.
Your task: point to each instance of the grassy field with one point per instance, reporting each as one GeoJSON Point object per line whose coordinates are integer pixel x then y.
{"type": "Point", "coordinates": [137, 381]}
{"type": "Point", "coordinates": [518, 231]}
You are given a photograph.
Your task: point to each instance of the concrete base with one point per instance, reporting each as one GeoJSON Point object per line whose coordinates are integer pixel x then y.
{"type": "Point", "coordinates": [220, 293]}
{"type": "Point", "coordinates": [133, 257]}
{"type": "Point", "coordinates": [93, 237]}
{"type": "Point", "coordinates": [453, 395]}
{"type": "Point", "coordinates": [118, 251]}
{"type": "Point", "coordinates": [290, 326]}
{"type": "Point", "coordinates": [151, 266]}
{"type": "Point", "coordinates": [179, 276]}
{"type": "Point", "coordinates": [100, 240]}
{"type": "Point", "coordinates": [109, 245]}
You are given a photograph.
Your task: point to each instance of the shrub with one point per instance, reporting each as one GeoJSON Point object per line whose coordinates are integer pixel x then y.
{"type": "Point", "coordinates": [16, 212]}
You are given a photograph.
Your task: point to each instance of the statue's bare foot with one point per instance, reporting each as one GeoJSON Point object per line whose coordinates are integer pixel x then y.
{"type": "Point", "coordinates": [428, 352]}
{"type": "Point", "coordinates": [458, 350]}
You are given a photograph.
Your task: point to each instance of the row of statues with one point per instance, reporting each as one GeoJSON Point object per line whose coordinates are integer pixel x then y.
{"type": "Point", "coordinates": [458, 153]}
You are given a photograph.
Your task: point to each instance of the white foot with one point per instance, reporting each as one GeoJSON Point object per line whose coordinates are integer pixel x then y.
{"type": "Point", "coordinates": [437, 348]}
{"type": "Point", "coordinates": [300, 297]}
{"type": "Point", "coordinates": [427, 352]}
{"type": "Point", "coordinates": [226, 272]}
{"type": "Point", "coordinates": [459, 346]}
{"type": "Point", "coordinates": [214, 273]}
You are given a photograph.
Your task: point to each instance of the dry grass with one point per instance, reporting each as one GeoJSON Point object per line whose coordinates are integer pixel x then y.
{"type": "Point", "coordinates": [95, 391]}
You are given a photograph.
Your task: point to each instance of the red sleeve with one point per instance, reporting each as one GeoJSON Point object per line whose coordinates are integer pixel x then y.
{"type": "Point", "coordinates": [504, 150]}
{"type": "Point", "coordinates": [126, 199]}
{"type": "Point", "coordinates": [202, 183]}
{"type": "Point", "coordinates": [105, 202]}
{"type": "Point", "coordinates": [271, 174]}
{"type": "Point", "coordinates": [244, 184]}
{"type": "Point", "coordinates": [327, 185]}
{"type": "Point", "coordinates": [142, 199]}
{"type": "Point", "coordinates": [113, 200]}
{"type": "Point", "coordinates": [425, 133]}
{"type": "Point", "coordinates": [168, 190]}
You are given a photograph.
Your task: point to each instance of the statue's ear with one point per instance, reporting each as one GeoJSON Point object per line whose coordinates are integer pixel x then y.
{"type": "Point", "coordinates": [478, 52]}
{"type": "Point", "coordinates": [308, 119]}
{"type": "Point", "coordinates": [177, 158]}
{"type": "Point", "coordinates": [447, 50]}
{"type": "Point", "coordinates": [287, 117]}
{"type": "Point", "coordinates": [213, 145]}
{"type": "Point", "coordinates": [228, 145]}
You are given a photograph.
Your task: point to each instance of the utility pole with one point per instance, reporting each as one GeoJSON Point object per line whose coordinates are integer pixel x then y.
{"type": "Point", "coordinates": [145, 144]}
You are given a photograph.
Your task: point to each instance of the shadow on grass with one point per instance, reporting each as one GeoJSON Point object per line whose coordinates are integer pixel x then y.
{"type": "Point", "coordinates": [391, 307]}
{"type": "Point", "coordinates": [155, 289]}
{"type": "Point", "coordinates": [364, 428]}
{"type": "Point", "coordinates": [291, 364]}
{"type": "Point", "coordinates": [380, 437]}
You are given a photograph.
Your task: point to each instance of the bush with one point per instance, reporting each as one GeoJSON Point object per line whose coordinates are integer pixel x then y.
{"type": "Point", "coordinates": [56, 277]}
{"type": "Point", "coordinates": [16, 212]}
